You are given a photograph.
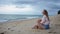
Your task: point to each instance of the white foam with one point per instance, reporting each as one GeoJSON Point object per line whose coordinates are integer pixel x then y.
{"type": "Point", "coordinates": [31, 17]}
{"type": "Point", "coordinates": [3, 21]}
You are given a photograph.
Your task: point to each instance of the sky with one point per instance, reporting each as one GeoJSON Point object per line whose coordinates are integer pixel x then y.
{"type": "Point", "coordinates": [29, 7]}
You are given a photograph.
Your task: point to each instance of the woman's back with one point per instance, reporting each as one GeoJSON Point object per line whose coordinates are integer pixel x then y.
{"type": "Point", "coordinates": [46, 21]}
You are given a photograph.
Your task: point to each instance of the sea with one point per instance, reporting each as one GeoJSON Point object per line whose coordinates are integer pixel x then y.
{"type": "Point", "coordinates": [12, 17]}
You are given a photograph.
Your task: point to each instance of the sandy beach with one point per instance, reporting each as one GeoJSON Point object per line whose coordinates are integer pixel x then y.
{"type": "Point", "coordinates": [25, 26]}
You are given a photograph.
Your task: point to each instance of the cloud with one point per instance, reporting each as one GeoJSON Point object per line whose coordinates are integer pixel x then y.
{"type": "Point", "coordinates": [34, 6]}
{"type": "Point", "coordinates": [54, 6]}
{"type": "Point", "coordinates": [13, 7]}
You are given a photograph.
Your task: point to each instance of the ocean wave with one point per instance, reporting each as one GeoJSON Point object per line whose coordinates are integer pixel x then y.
{"type": "Point", "coordinates": [3, 21]}
{"type": "Point", "coordinates": [31, 17]}
{"type": "Point", "coordinates": [5, 18]}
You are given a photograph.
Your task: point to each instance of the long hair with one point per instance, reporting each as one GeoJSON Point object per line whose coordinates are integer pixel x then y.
{"type": "Point", "coordinates": [46, 13]}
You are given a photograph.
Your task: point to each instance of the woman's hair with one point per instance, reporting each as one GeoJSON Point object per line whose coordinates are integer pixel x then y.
{"type": "Point", "coordinates": [46, 13]}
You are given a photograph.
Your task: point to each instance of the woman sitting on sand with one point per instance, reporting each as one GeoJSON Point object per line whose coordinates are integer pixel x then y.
{"type": "Point", "coordinates": [44, 22]}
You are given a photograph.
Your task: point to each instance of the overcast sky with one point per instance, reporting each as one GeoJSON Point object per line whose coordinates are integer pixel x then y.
{"type": "Point", "coordinates": [29, 7]}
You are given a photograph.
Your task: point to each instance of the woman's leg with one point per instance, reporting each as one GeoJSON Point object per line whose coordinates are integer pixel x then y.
{"type": "Point", "coordinates": [40, 26]}
{"type": "Point", "coordinates": [35, 27]}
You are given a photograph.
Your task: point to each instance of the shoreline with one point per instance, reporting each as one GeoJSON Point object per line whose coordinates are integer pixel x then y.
{"type": "Point", "coordinates": [18, 20]}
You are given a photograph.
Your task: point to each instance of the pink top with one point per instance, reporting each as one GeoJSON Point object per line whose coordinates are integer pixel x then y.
{"type": "Point", "coordinates": [45, 20]}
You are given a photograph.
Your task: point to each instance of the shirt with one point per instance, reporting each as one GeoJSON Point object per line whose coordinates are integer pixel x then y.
{"type": "Point", "coordinates": [45, 20]}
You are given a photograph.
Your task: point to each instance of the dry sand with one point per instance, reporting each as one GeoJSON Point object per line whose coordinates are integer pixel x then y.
{"type": "Point", "coordinates": [25, 27]}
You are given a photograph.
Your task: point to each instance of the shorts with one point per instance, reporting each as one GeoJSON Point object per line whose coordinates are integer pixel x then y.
{"type": "Point", "coordinates": [46, 26]}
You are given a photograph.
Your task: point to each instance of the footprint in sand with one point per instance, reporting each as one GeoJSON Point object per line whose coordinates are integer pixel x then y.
{"type": "Point", "coordinates": [52, 32]}
{"type": "Point", "coordinates": [19, 31]}
{"type": "Point", "coordinates": [0, 27]}
{"type": "Point", "coordinates": [9, 28]}
{"type": "Point", "coordinates": [14, 26]}
{"type": "Point", "coordinates": [36, 30]}
{"type": "Point", "coordinates": [12, 30]}
{"type": "Point", "coordinates": [57, 24]}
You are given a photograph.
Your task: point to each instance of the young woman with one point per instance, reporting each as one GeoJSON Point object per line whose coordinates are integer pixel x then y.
{"type": "Point", "coordinates": [44, 22]}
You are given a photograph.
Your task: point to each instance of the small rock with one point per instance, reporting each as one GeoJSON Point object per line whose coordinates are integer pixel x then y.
{"type": "Point", "coordinates": [2, 33]}
{"type": "Point", "coordinates": [49, 32]}
{"type": "Point", "coordinates": [9, 28]}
